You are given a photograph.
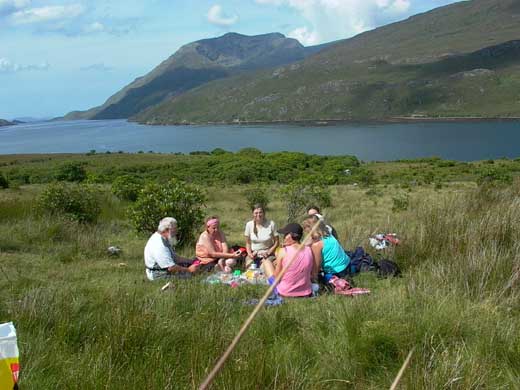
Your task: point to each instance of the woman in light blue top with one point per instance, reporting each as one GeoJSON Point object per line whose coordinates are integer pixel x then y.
{"type": "Point", "coordinates": [329, 255]}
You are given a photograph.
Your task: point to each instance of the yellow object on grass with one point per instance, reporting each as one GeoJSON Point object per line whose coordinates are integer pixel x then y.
{"type": "Point", "coordinates": [9, 363]}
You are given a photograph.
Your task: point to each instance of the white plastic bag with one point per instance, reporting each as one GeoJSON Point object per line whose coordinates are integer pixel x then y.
{"type": "Point", "coordinates": [9, 363]}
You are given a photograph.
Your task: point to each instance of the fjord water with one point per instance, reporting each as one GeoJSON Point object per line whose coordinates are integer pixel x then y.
{"type": "Point", "coordinates": [464, 141]}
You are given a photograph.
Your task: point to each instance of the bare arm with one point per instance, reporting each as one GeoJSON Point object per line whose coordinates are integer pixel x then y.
{"type": "Point", "coordinates": [318, 258]}
{"type": "Point", "coordinates": [250, 252]}
{"type": "Point", "coordinates": [272, 249]}
{"type": "Point", "coordinates": [206, 246]}
{"type": "Point", "coordinates": [279, 265]}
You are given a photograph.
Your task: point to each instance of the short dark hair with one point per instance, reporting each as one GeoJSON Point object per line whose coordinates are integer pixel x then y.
{"type": "Point", "coordinates": [295, 236]}
{"type": "Point", "coordinates": [313, 208]}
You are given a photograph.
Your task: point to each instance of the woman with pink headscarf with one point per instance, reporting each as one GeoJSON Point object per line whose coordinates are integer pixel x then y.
{"type": "Point", "coordinates": [212, 248]}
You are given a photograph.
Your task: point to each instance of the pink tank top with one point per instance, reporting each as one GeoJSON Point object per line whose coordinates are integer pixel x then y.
{"type": "Point", "coordinates": [297, 280]}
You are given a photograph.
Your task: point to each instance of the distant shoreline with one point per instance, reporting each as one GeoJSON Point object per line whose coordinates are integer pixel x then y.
{"type": "Point", "coordinates": [334, 122]}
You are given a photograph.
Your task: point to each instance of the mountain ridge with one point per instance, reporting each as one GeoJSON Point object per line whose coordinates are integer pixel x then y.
{"type": "Point", "coordinates": [401, 69]}
{"type": "Point", "coordinates": [197, 63]}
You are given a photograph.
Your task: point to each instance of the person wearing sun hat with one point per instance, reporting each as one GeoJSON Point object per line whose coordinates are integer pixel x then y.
{"type": "Point", "coordinates": [296, 282]}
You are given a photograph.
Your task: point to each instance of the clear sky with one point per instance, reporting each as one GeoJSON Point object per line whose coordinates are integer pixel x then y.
{"type": "Point", "coordinates": [62, 55]}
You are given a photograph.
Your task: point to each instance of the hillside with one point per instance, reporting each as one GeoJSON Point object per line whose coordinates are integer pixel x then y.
{"type": "Point", "coordinates": [89, 319]}
{"type": "Point", "coordinates": [195, 64]}
{"type": "Point", "coordinates": [457, 60]}
{"type": "Point", "coordinates": [4, 122]}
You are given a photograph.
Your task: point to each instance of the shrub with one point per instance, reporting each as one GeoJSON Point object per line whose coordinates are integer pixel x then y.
{"type": "Point", "coordinates": [127, 187]}
{"type": "Point", "coordinates": [494, 176]}
{"type": "Point", "coordinates": [400, 202]}
{"type": "Point", "coordinates": [242, 175]}
{"type": "Point", "coordinates": [3, 182]}
{"type": "Point", "coordinates": [367, 177]}
{"type": "Point", "coordinates": [72, 171]}
{"type": "Point", "coordinates": [172, 199]}
{"type": "Point", "coordinates": [302, 193]}
{"type": "Point", "coordinates": [250, 152]}
{"type": "Point", "coordinates": [75, 202]}
{"type": "Point", "coordinates": [257, 195]}
{"type": "Point", "coordinates": [219, 151]}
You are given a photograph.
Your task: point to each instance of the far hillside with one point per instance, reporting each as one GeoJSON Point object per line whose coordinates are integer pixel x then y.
{"type": "Point", "coordinates": [459, 60]}
{"type": "Point", "coordinates": [4, 122]}
{"type": "Point", "coordinates": [198, 63]}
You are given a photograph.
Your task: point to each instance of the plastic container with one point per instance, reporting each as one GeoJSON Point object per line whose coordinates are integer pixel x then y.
{"type": "Point", "coordinates": [9, 364]}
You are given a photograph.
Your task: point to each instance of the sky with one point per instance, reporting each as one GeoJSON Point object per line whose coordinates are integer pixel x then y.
{"type": "Point", "coordinates": [59, 56]}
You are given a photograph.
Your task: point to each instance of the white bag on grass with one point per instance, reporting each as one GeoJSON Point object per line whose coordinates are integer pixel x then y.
{"type": "Point", "coordinates": [9, 364]}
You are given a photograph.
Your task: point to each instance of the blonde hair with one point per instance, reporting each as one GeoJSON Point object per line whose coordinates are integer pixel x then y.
{"type": "Point", "coordinates": [320, 232]}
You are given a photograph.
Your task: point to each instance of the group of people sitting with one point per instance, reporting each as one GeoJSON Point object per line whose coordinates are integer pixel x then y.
{"type": "Point", "coordinates": [316, 260]}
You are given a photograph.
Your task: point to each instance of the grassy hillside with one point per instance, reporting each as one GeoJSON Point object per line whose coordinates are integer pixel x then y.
{"type": "Point", "coordinates": [87, 320]}
{"type": "Point", "coordinates": [458, 60]}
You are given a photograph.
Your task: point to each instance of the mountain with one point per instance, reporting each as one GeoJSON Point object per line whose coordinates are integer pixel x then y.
{"type": "Point", "coordinates": [28, 119]}
{"type": "Point", "coordinates": [195, 64]}
{"type": "Point", "coordinates": [457, 60]}
{"type": "Point", "coordinates": [4, 122]}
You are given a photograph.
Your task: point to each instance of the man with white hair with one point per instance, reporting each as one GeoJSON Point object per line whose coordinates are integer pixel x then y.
{"type": "Point", "coordinates": [160, 258]}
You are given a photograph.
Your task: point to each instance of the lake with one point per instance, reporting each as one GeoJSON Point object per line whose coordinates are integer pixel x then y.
{"type": "Point", "coordinates": [464, 141]}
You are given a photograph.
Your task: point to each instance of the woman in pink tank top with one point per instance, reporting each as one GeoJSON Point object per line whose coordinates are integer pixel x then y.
{"type": "Point", "coordinates": [296, 282]}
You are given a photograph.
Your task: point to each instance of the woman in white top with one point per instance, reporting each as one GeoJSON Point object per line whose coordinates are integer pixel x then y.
{"type": "Point", "coordinates": [261, 238]}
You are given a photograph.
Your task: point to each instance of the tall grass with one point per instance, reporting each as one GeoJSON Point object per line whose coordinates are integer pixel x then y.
{"type": "Point", "coordinates": [86, 321]}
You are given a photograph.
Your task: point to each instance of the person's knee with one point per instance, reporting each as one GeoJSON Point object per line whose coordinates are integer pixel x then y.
{"type": "Point", "coordinates": [231, 262]}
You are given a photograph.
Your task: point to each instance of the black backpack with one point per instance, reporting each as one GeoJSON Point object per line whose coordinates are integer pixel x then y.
{"type": "Point", "coordinates": [386, 268]}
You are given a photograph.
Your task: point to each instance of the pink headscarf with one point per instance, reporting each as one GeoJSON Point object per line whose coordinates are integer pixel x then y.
{"type": "Point", "coordinates": [212, 222]}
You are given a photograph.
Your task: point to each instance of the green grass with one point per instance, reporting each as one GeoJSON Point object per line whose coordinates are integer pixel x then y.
{"type": "Point", "coordinates": [87, 320]}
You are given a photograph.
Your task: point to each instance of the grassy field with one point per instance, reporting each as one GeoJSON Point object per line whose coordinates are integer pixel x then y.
{"type": "Point", "coordinates": [87, 320]}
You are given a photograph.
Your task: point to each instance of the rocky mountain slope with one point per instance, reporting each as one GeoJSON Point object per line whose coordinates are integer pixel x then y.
{"type": "Point", "coordinates": [458, 60]}
{"type": "Point", "coordinates": [196, 64]}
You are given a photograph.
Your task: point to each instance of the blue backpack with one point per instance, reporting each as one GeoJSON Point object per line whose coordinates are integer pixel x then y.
{"type": "Point", "coordinates": [360, 261]}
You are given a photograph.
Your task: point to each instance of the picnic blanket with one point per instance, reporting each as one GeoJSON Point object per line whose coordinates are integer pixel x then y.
{"type": "Point", "coordinates": [237, 279]}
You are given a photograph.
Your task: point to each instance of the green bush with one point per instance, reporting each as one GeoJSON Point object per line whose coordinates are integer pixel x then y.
{"type": "Point", "coordinates": [302, 193]}
{"type": "Point", "coordinates": [219, 151]}
{"type": "Point", "coordinates": [257, 195]}
{"type": "Point", "coordinates": [400, 202]}
{"type": "Point", "coordinates": [75, 202]}
{"type": "Point", "coordinates": [127, 187]}
{"type": "Point", "coordinates": [494, 176]}
{"type": "Point", "coordinates": [3, 182]}
{"type": "Point", "coordinates": [366, 177]}
{"type": "Point", "coordinates": [250, 152]}
{"type": "Point", "coordinates": [172, 199]}
{"type": "Point", "coordinates": [71, 171]}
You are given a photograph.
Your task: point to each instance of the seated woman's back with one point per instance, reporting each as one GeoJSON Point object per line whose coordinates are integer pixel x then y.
{"type": "Point", "coordinates": [335, 259]}
{"type": "Point", "coordinates": [296, 281]}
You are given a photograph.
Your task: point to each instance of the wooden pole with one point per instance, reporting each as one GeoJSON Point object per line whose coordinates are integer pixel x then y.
{"type": "Point", "coordinates": [401, 371]}
{"type": "Point", "coordinates": [220, 363]}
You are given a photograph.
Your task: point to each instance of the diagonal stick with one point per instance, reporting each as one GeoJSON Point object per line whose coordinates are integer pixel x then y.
{"type": "Point", "coordinates": [220, 363]}
{"type": "Point", "coordinates": [401, 371]}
